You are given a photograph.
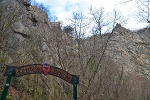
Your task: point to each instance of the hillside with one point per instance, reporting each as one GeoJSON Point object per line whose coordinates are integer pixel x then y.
{"type": "Point", "coordinates": [131, 49]}
{"type": "Point", "coordinates": [112, 66]}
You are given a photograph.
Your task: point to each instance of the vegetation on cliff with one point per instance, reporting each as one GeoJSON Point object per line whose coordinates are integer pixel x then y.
{"type": "Point", "coordinates": [109, 65]}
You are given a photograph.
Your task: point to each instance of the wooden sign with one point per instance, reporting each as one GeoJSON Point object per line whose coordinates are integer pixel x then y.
{"type": "Point", "coordinates": [45, 69]}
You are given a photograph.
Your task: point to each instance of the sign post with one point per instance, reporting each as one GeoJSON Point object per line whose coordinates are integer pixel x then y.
{"type": "Point", "coordinates": [7, 84]}
{"type": "Point", "coordinates": [74, 88]}
{"type": "Point", "coordinates": [46, 69]}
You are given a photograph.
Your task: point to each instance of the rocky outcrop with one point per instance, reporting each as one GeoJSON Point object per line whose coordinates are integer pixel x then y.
{"type": "Point", "coordinates": [26, 23]}
{"type": "Point", "coordinates": [30, 27]}
{"type": "Point", "coordinates": [131, 49]}
{"type": "Point", "coordinates": [28, 37]}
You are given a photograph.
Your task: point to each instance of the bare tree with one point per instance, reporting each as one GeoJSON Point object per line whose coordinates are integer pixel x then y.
{"type": "Point", "coordinates": [79, 23]}
{"type": "Point", "coordinates": [99, 17]}
{"type": "Point", "coordinates": [116, 17]}
{"type": "Point", "coordinates": [143, 13]}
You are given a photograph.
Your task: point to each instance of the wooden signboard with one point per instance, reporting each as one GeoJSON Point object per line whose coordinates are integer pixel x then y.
{"type": "Point", "coordinates": [45, 69]}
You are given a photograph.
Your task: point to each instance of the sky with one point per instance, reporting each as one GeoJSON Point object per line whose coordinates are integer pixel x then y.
{"type": "Point", "coordinates": [63, 9]}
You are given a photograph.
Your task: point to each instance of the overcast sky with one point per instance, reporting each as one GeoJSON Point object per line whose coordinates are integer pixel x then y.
{"type": "Point", "coordinates": [63, 9]}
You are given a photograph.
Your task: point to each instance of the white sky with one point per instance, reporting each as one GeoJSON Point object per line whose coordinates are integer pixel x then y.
{"type": "Point", "coordinates": [63, 9]}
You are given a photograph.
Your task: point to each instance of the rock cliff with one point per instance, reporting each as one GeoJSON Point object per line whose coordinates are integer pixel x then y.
{"type": "Point", "coordinates": [27, 37]}
{"type": "Point", "coordinates": [131, 49]}
{"type": "Point", "coordinates": [28, 23]}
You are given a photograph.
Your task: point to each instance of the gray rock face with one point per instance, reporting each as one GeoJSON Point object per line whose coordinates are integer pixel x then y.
{"type": "Point", "coordinates": [29, 28]}
{"type": "Point", "coordinates": [26, 3]}
{"type": "Point", "coordinates": [131, 49]}
{"type": "Point", "coordinates": [18, 27]}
